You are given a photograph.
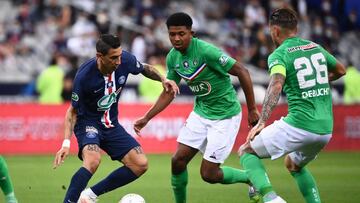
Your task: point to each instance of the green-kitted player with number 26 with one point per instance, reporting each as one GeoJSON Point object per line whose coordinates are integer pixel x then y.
{"type": "Point", "coordinates": [303, 70]}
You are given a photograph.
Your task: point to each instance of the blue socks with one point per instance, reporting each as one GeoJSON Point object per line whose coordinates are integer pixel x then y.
{"type": "Point", "coordinates": [117, 178]}
{"type": "Point", "coordinates": [77, 184]}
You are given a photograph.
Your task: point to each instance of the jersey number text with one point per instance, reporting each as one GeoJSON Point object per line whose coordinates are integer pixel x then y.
{"type": "Point", "coordinates": [306, 70]}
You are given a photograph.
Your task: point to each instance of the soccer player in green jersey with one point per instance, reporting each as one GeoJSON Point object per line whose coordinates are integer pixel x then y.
{"type": "Point", "coordinates": [5, 182]}
{"type": "Point", "coordinates": [213, 124]}
{"type": "Point", "coordinates": [303, 70]}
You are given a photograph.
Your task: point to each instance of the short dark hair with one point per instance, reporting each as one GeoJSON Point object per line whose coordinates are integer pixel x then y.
{"type": "Point", "coordinates": [179, 19]}
{"type": "Point", "coordinates": [106, 42]}
{"type": "Point", "coordinates": [285, 18]}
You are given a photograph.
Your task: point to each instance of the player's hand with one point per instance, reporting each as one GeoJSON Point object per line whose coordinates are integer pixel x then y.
{"type": "Point", "coordinates": [60, 156]}
{"type": "Point", "coordinates": [253, 117]}
{"type": "Point", "coordinates": [255, 131]}
{"type": "Point", "coordinates": [140, 124]}
{"type": "Point", "coordinates": [171, 86]}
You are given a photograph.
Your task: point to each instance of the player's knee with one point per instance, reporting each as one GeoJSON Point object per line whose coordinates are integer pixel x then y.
{"type": "Point", "coordinates": [139, 167]}
{"type": "Point", "coordinates": [142, 166]}
{"type": "Point", "coordinates": [290, 165]}
{"type": "Point", "coordinates": [178, 163]}
{"type": "Point", "coordinates": [92, 163]}
{"type": "Point", "coordinates": [209, 177]}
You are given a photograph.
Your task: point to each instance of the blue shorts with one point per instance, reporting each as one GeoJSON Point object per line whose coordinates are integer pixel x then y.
{"type": "Point", "coordinates": [116, 142]}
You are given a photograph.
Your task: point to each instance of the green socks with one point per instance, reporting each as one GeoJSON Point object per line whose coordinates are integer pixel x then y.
{"type": "Point", "coordinates": [5, 182]}
{"type": "Point", "coordinates": [256, 173]}
{"type": "Point", "coordinates": [179, 183]}
{"type": "Point", "coordinates": [233, 175]}
{"type": "Point", "coordinates": [307, 185]}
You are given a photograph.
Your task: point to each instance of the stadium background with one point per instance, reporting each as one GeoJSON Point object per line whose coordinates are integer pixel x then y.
{"type": "Point", "coordinates": [33, 32]}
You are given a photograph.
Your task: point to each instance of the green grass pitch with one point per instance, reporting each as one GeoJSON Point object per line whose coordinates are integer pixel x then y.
{"type": "Point", "coordinates": [337, 174]}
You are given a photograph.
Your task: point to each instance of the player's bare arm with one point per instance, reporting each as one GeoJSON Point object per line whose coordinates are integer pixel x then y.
{"type": "Point", "coordinates": [272, 96]}
{"type": "Point", "coordinates": [163, 101]}
{"type": "Point", "coordinates": [243, 75]}
{"type": "Point", "coordinates": [151, 72]}
{"type": "Point", "coordinates": [70, 120]}
{"type": "Point", "coordinates": [271, 99]}
{"type": "Point", "coordinates": [337, 72]}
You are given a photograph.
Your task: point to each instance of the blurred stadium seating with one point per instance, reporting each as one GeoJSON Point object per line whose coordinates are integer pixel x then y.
{"type": "Point", "coordinates": [31, 31]}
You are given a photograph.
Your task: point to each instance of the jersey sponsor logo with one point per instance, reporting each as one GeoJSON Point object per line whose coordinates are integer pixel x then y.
{"type": "Point", "coordinates": [316, 93]}
{"type": "Point", "coordinates": [302, 47]}
{"type": "Point", "coordinates": [223, 59]}
{"type": "Point", "coordinates": [107, 100]}
{"type": "Point", "coordinates": [74, 96]}
{"type": "Point", "coordinates": [121, 80]}
{"type": "Point", "coordinates": [201, 88]}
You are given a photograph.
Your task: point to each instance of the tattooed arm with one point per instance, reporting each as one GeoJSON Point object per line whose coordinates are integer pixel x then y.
{"type": "Point", "coordinates": [70, 120]}
{"type": "Point", "coordinates": [151, 72]}
{"type": "Point", "coordinates": [272, 96]}
{"type": "Point", "coordinates": [169, 85]}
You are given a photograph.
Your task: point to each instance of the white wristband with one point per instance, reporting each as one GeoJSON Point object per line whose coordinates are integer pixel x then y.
{"type": "Point", "coordinates": [66, 143]}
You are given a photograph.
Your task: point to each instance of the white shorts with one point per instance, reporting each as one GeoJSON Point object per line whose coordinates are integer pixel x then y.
{"type": "Point", "coordinates": [214, 138]}
{"type": "Point", "coordinates": [280, 138]}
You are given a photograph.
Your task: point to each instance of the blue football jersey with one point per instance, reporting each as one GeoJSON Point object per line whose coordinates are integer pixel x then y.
{"type": "Point", "coordinates": [95, 96]}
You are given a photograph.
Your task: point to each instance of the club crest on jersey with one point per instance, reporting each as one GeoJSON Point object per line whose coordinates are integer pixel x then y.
{"type": "Point", "coordinates": [200, 88]}
{"type": "Point", "coordinates": [121, 80]}
{"type": "Point", "coordinates": [186, 64]}
{"type": "Point", "coordinates": [223, 59]}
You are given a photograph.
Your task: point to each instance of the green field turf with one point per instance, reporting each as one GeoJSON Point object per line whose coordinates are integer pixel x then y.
{"type": "Point", "coordinates": [338, 176]}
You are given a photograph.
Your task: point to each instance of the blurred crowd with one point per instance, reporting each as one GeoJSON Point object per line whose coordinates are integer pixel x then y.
{"type": "Point", "coordinates": [37, 34]}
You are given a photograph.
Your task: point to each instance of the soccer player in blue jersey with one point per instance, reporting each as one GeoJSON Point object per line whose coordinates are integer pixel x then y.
{"type": "Point", "coordinates": [93, 116]}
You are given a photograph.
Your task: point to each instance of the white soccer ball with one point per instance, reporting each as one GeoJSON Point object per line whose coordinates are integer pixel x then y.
{"type": "Point", "coordinates": [132, 198]}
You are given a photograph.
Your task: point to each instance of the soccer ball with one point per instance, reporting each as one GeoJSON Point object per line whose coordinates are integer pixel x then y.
{"type": "Point", "coordinates": [132, 198]}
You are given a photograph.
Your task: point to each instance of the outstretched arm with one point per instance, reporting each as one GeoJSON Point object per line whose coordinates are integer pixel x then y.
{"type": "Point", "coordinates": [246, 84]}
{"type": "Point", "coordinates": [272, 96]}
{"type": "Point", "coordinates": [169, 85]}
{"type": "Point", "coordinates": [70, 120]}
{"type": "Point", "coordinates": [163, 101]}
